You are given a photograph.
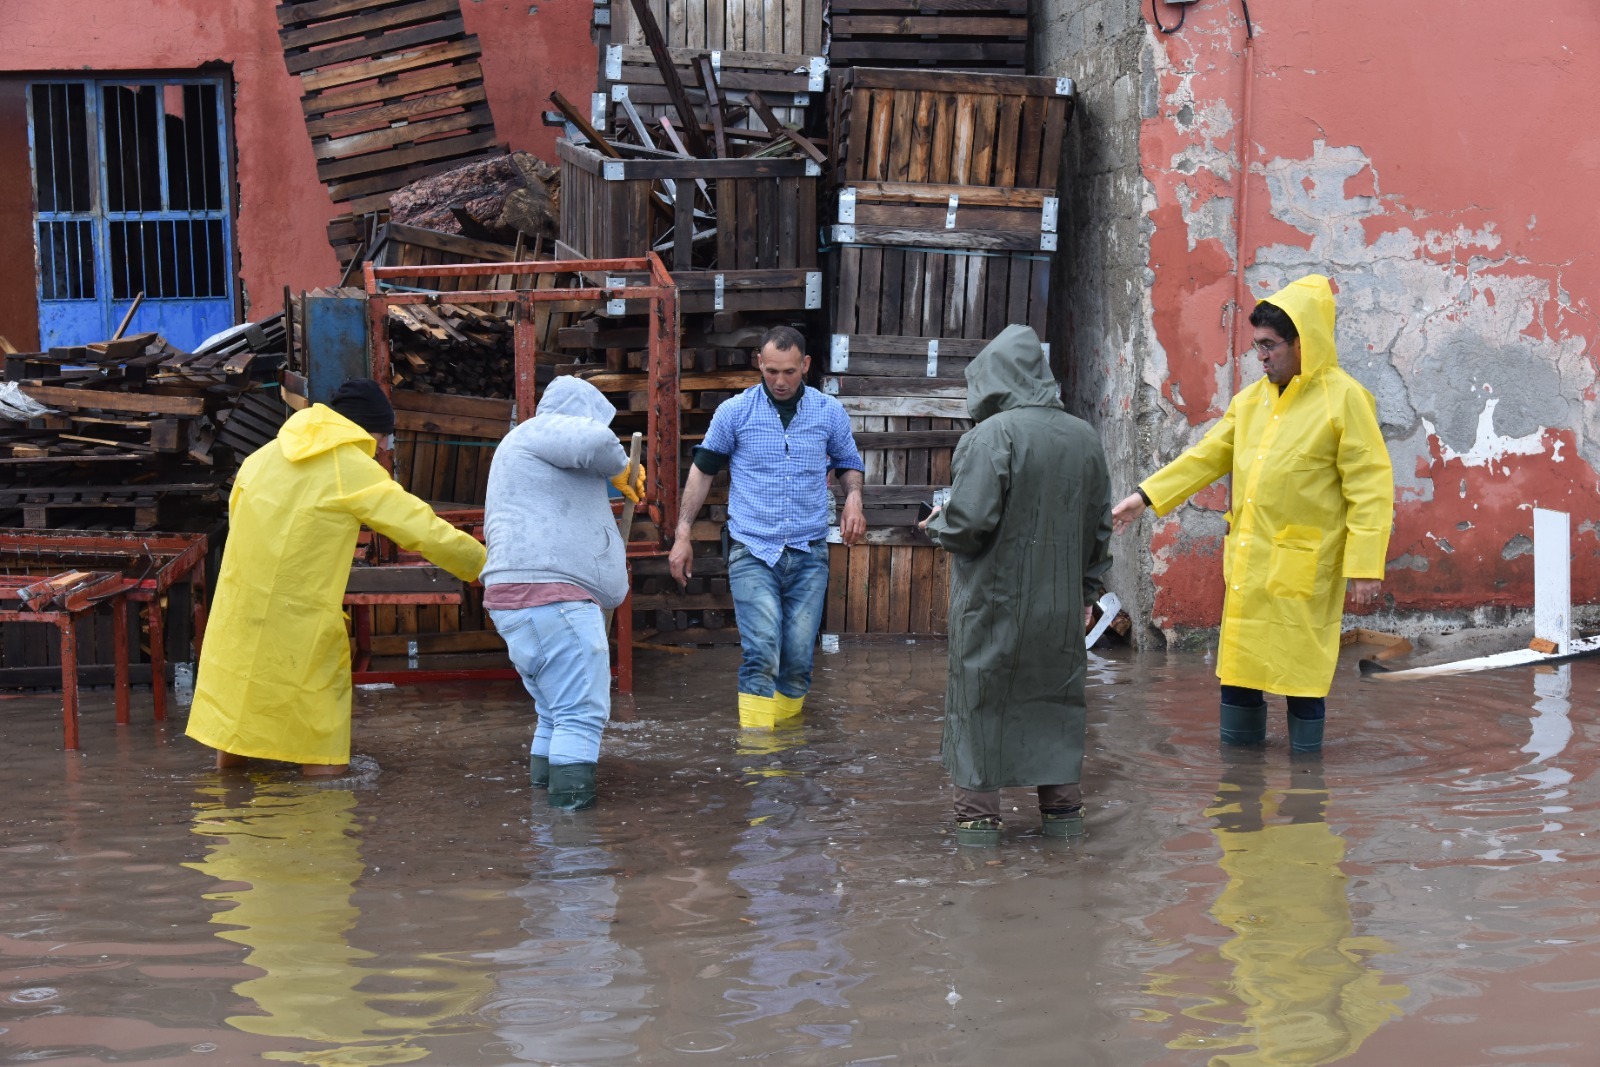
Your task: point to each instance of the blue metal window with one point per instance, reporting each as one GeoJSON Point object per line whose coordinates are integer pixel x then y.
{"type": "Point", "coordinates": [131, 196]}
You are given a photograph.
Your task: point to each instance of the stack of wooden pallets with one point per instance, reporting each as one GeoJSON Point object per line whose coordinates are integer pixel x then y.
{"type": "Point", "coordinates": [983, 35]}
{"type": "Point", "coordinates": [944, 231]}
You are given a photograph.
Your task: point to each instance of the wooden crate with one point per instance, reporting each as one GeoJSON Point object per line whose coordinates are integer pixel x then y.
{"type": "Point", "coordinates": [976, 218]}
{"type": "Point", "coordinates": [790, 27]}
{"type": "Point", "coordinates": [764, 253]}
{"type": "Point", "coordinates": [926, 294]}
{"type": "Point", "coordinates": [391, 92]}
{"type": "Point", "coordinates": [786, 82]}
{"type": "Point", "coordinates": [888, 588]}
{"type": "Point", "coordinates": [443, 444]}
{"type": "Point", "coordinates": [949, 34]}
{"type": "Point", "coordinates": [948, 128]}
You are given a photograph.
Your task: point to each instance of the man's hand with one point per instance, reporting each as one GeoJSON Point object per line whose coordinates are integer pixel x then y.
{"type": "Point", "coordinates": [1364, 591]}
{"type": "Point", "coordinates": [852, 521]}
{"type": "Point", "coordinates": [634, 491]}
{"type": "Point", "coordinates": [680, 561]}
{"type": "Point", "coordinates": [1127, 513]}
{"type": "Point", "coordinates": [923, 525]}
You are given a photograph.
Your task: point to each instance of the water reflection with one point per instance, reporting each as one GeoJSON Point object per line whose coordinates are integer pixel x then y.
{"type": "Point", "coordinates": [1300, 988]}
{"type": "Point", "coordinates": [569, 993]}
{"type": "Point", "coordinates": [288, 857]}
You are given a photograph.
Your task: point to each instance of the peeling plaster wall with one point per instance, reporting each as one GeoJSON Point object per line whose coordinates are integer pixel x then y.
{"type": "Point", "coordinates": [1433, 168]}
{"type": "Point", "coordinates": [283, 210]}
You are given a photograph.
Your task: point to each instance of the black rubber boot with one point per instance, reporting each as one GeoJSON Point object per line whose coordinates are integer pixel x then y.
{"type": "Point", "coordinates": [1305, 735]}
{"type": "Point", "coordinates": [1063, 823]}
{"type": "Point", "coordinates": [539, 771]}
{"type": "Point", "coordinates": [981, 832]}
{"type": "Point", "coordinates": [1244, 726]}
{"type": "Point", "coordinates": [572, 786]}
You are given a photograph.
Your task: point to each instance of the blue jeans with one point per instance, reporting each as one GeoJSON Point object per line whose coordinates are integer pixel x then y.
{"type": "Point", "coordinates": [561, 652]}
{"type": "Point", "coordinates": [1300, 707]}
{"type": "Point", "coordinates": [779, 611]}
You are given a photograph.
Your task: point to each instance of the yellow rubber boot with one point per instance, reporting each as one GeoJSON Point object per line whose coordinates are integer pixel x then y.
{"type": "Point", "coordinates": [758, 713]}
{"type": "Point", "coordinates": [789, 707]}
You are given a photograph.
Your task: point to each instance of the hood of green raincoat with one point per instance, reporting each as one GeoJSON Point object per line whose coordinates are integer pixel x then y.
{"type": "Point", "coordinates": [318, 429]}
{"type": "Point", "coordinates": [1011, 372]}
{"type": "Point", "coordinates": [574, 396]}
{"type": "Point", "coordinates": [1309, 303]}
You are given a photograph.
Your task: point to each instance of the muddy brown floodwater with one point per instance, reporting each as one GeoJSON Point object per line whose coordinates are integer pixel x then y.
{"type": "Point", "coordinates": [1425, 894]}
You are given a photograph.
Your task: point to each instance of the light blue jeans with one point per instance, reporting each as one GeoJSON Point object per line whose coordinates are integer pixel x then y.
{"type": "Point", "coordinates": [561, 652]}
{"type": "Point", "coordinates": [779, 611]}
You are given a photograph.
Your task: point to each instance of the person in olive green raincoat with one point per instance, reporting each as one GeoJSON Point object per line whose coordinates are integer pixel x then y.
{"type": "Point", "coordinates": [274, 675]}
{"type": "Point", "coordinates": [1312, 506]}
{"type": "Point", "coordinates": [1028, 526]}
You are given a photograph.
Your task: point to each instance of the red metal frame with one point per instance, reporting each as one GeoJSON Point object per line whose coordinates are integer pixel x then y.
{"type": "Point", "coordinates": [153, 564]}
{"type": "Point", "coordinates": [663, 419]}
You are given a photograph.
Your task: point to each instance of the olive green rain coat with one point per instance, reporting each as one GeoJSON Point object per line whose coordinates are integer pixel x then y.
{"type": "Point", "coordinates": [1313, 502]}
{"type": "Point", "coordinates": [1029, 528]}
{"type": "Point", "coordinates": [274, 677]}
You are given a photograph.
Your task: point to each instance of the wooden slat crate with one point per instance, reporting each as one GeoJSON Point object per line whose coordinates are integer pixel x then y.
{"type": "Point", "coordinates": [762, 256]}
{"type": "Point", "coordinates": [948, 128]}
{"type": "Point", "coordinates": [895, 588]}
{"type": "Point", "coordinates": [792, 27]}
{"type": "Point", "coordinates": [949, 34]}
{"type": "Point", "coordinates": [932, 293]}
{"type": "Point", "coordinates": [391, 92]}
{"type": "Point", "coordinates": [788, 83]}
{"type": "Point", "coordinates": [975, 218]}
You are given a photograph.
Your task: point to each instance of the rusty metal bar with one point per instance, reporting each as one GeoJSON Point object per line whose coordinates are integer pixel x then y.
{"type": "Point", "coordinates": [119, 637]}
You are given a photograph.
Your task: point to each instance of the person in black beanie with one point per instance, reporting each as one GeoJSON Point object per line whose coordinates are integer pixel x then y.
{"type": "Point", "coordinates": [274, 678]}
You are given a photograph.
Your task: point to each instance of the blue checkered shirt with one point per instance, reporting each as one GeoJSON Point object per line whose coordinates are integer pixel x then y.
{"type": "Point", "coordinates": [778, 496]}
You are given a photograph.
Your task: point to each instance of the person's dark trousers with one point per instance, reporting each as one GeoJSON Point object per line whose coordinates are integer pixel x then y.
{"type": "Point", "coordinates": [1300, 707]}
{"type": "Point", "coordinates": [1053, 800]}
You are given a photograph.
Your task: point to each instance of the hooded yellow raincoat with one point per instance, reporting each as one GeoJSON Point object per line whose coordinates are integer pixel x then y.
{"type": "Point", "coordinates": [274, 677]}
{"type": "Point", "coordinates": [1313, 502]}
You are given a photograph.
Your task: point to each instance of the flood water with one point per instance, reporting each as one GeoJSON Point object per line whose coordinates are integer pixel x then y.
{"type": "Point", "coordinates": [1424, 894]}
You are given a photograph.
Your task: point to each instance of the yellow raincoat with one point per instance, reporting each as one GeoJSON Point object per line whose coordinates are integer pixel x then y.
{"type": "Point", "coordinates": [274, 677]}
{"type": "Point", "coordinates": [1313, 502]}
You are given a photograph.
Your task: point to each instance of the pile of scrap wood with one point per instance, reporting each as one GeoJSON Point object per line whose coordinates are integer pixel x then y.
{"type": "Point", "coordinates": [462, 349]}
{"type": "Point", "coordinates": [136, 433]}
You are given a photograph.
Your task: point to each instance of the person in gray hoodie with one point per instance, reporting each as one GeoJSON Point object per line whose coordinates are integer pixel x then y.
{"type": "Point", "coordinates": [555, 567]}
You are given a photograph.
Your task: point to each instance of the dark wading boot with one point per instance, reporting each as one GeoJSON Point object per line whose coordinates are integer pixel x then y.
{"type": "Point", "coordinates": [1305, 735]}
{"type": "Point", "coordinates": [1244, 726]}
{"type": "Point", "coordinates": [978, 831]}
{"type": "Point", "coordinates": [539, 771]}
{"type": "Point", "coordinates": [572, 786]}
{"type": "Point", "coordinates": [1063, 823]}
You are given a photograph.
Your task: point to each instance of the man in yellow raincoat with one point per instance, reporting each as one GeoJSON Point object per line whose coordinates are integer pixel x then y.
{"type": "Point", "coordinates": [1313, 502]}
{"type": "Point", "coordinates": [274, 676]}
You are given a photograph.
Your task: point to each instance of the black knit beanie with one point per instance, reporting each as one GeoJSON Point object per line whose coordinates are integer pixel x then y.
{"type": "Point", "coordinates": [361, 400]}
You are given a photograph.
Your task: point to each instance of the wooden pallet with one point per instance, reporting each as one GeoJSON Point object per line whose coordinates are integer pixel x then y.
{"type": "Point", "coordinates": [935, 294]}
{"type": "Point", "coordinates": [788, 83]}
{"type": "Point", "coordinates": [391, 92]}
{"type": "Point", "coordinates": [790, 27]}
{"type": "Point", "coordinates": [948, 128]}
{"type": "Point", "coordinates": [901, 588]}
{"type": "Point", "coordinates": [975, 218]}
{"type": "Point", "coordinates": [948, 34]}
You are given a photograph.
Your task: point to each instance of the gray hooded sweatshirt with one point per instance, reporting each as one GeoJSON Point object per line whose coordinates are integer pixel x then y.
{"type": "Point", "coordinates": [548, 513]}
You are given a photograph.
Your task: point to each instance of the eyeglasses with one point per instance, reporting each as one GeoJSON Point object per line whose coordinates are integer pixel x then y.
{"type": "Point", "coordinates": [1266, 348]}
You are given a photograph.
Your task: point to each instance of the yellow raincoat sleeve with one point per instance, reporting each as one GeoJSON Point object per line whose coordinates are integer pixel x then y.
{"type": "Point", "coordinates": [1367, 477]}
{"type": "Point", "coordinates": [367, 492]}
{"type": "Point", "coordinates": [1197, 468]}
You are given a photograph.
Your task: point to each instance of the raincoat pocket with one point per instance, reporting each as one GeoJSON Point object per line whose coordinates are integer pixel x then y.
{"type": "Point", "coordinates": [1292, 574]}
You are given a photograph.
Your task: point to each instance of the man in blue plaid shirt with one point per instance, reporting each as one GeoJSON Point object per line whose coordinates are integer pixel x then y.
{"type": "Point", "coordinates": [778, 441]}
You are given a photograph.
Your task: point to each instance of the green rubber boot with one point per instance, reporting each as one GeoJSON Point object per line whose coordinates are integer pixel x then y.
{"type": "Point", "coordinates": [1069, 824]}
{"type": "Point", "coordinates": [977, 831]}
{"type": "Point", "coordinates": [1244, 726]}
{"type": "Point", "coordinates": [539, 771]}
{"type": "Point", "coordinates": [1305, 735]}
{"type": "Point", "coordinates": [572, 786]}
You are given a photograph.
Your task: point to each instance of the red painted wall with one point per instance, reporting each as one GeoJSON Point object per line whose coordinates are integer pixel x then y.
{"type": "Point", "coordinates": [529, 48]}
{"type": "Point", "coordinates": [1433, 167]}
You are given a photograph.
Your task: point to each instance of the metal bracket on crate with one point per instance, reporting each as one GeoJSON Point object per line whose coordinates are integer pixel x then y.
{"type": "Point", "coordinates": [1047, 223]}
{"type": "Point", "coordinates": [619, 93]}
{"type": "Point", "coordinates": [613, 62]}
{"type": "Point", "coordinates": [1047, 242]}
{"type": "Point", "coordinates": [716, 67]}
{"type": "Point", "coordinates": [813, 168]}
{"type": "Point", "coordinates": [597, 109]}
{"type": "Point", "coordinates": [950, 211]}
{"type": "Point", "coordinates": [716, 293]}
{"type": "Point", "coordinates": [802, 99]}
{"type": "Point", "coordinates": [839, 354]}
{"type": "Point", "coordinates": [933, 357]}
{"type": "Point", "coordinates": [614, 170]}
{"type": "Point", "coordinates": [602, 15]}
{"type": "Point", "coordinates": [1064, 87]}
{"type": "Point", "coordinates": [817, 72]}
{"type": "Point", "coordinates": [847, 204]}
{"type": "Point", "coordinates": [1045, 345]}
{"type": "Point", "coordinates": [830, 386]}
{"type": "Point", "coordinates": [616, 305]}
{"type": "Point", "coordinates": [845, 235]}
{"type": "Point", "coordinates": [813, 289]}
